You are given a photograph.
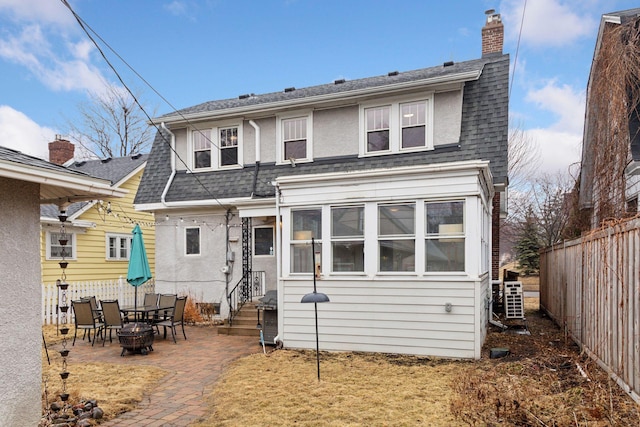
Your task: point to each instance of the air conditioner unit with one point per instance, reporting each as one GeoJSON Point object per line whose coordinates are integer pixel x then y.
{"type": "Point", "coordinates": [513, 300]}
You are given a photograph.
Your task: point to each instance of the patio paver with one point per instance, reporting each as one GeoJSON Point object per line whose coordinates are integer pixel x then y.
{"type": "Point", "coordinates": [194, 366]}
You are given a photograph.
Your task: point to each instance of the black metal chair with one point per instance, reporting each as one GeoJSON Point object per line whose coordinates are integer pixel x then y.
{"type": "Point", "coordinates": [112, 318]}
{"type": "Point", "coordinates": [168, 302]}
{"type": "Point", "coordinates": [176, 318]}
{"type": "Point", "coordinates": [85, 320]}
{"type": "Point", "coordinates": [151, 299]}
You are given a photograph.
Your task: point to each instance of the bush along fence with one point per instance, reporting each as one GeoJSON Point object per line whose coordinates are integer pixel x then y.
{"type": "Point", "coordinates": [118, 289]}
{"type": "Point", "coordinates": [591, 287]}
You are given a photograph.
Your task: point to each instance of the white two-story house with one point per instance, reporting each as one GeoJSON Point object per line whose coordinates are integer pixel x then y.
{"type": "Point", "coordinates": [397, 179]}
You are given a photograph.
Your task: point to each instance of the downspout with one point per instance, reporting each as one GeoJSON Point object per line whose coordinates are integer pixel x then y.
{"type": "Point", "coordinates": [257, 148]}
{"type": "Point", "coordinates": [173, 164]}
{"type": "Point", "coordinates": [279, 285]}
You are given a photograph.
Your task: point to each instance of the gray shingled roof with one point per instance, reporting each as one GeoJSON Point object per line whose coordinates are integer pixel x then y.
{"type": "Point", "coordinates": [251, 100]}
{"type": "Point", "coordinates": [14, 156]}
{"type": "Point", "coordinates": [112, 169]}
{"type": "Point", "coordinates": [484, 135]}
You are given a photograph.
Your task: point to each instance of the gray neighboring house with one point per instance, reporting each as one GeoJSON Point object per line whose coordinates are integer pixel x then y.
{"type": "Point", "coordinates": [26, 182]}
{"type": "Point", "coordinates": [399, 180]}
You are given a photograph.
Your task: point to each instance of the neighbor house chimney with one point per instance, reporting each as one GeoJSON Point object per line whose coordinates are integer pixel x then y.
{"type": "Point", "coordinates": [492, 33]}
{"type": "Point", "coordinates": [60, 150]}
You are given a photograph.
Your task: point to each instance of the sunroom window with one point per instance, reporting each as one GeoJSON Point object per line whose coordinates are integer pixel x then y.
{"type": "Point", "coordinates": [305, 224]}
{"type": "Point", "coordinates": [396, 237]}
{"type": "Point", "coordinates": [445, 236]}
{"type": "Point", "coordinates": [347, 238]}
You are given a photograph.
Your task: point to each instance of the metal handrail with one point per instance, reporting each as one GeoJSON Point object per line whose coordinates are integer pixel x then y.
{"type": "Point", "coordinates": [251, 284]}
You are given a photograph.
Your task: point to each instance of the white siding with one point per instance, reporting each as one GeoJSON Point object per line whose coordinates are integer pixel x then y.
{"type": "Point", "coordinates": [402, 312]}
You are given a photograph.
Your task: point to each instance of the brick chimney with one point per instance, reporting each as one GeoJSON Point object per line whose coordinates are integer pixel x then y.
{"type": "Point", "coordinates": [60, 150]}
{"type": "Point", "coordinates": [492, 34]}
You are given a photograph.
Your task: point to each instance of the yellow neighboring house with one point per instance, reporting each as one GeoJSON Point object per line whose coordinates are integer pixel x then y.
{"type": "Point", "coordinates": [99, 231]}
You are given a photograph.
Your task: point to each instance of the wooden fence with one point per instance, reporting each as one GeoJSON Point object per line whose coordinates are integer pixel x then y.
{"type": "Point", "coordinates": [108, 289]}
{"type": "Point", "coordinates": [591, 287]}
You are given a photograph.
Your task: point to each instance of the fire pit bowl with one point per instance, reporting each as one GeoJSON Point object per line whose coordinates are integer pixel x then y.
{"type": "Point", "coordinates": [136, 337]}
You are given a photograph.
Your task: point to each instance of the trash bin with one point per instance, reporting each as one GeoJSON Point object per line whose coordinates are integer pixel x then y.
{"type": "Point", "coordinates": [268, 305]}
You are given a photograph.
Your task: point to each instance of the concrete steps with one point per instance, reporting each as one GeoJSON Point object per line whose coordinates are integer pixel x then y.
{"type": "Point", "coordinates": [244, 324]}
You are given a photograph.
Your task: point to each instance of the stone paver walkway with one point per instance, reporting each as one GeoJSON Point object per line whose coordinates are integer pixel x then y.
{"type": "Point", "coordinates": [194, 366]}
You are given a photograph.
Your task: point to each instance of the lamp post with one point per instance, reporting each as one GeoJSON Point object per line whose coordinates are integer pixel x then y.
{"type": "Point", "coordinates": [315, 297]}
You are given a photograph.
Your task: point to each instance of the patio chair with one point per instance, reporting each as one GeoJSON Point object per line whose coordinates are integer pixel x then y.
{"type": "Point", "coordinates": [165, 300]}
{"type": "Point", "coordinates": [85, 320]}
{"type": "Point", "coordinates": [176, 318]}
{"type": "Point", "coordinates": [151, 299]}
{"type": "Point", "coordinates": [112, 318]}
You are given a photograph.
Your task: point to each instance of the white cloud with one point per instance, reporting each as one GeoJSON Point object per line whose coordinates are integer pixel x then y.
{"type": "Point", "coordinates": [50, 12]}
{"type": "Point", "coordinates": [558, 150]}
{"type": "Point", "coordinates": [19, 132]}
{"type": "Point", "coordinates": [564, 102]}
{"type": "Point", "coordinates": [547, 23]}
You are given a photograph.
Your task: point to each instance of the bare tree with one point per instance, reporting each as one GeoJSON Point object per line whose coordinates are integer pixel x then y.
{"type": "Point", "coordinates": [111, 124]}
{"type": "Point", "coordinates": [524, 156]}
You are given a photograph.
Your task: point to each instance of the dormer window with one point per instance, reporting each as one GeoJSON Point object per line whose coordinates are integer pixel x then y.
{"type": "Point", "coordinates": [228, 146]}
{"type": "Point", "coordinates": [396, 126]}
{"type": "Point", "coordinates": [217, 147]}
{"type": "Point", "coordinates": [202, 148]}
{"type": "Point", "coordinates": [294, 134]}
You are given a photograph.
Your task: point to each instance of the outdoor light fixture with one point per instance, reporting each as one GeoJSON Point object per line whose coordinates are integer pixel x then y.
{"type": "Point", "coordinates": [315, 297]}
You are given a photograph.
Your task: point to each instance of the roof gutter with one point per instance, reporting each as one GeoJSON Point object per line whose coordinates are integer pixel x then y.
{"type": "Point", "coordinates": [173, 164]}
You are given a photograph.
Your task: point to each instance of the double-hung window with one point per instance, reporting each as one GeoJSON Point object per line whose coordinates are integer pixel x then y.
{"type": "Point", "coordinates": [444, 237]}
{"type": "Point", "coordinates": [192, 240]}
{"type": "Point", "coordinates": [305, 224]}
{"type": "Point", "coordinates": [201, 148]}
{"type": "Point", "coordinates": [228, 140]}
{"type": "Point", "coordinates": [396, 237]}
{"type": "Point", "coordinates": [377, 123]}
{"type": "Point", "coordinates": [118, 247]}
{"type": "Point", "coordinates": [56, 250]}
{"type": "Point", "coordinates": [412, 121]}
{"type": "Point", "coordinates": [396, 126]}
{"type": "Point", "coordinates": [294, 135]}
{"type": "Point", "coordinates": [347, 238]}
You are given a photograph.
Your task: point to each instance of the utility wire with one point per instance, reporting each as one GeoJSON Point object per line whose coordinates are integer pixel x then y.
{"type": "Point", "coordinates": [84, 27]}
{"type": "Point", "coordinates": [515, 61]}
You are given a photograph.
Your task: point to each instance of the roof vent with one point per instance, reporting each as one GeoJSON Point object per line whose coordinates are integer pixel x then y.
{"type": "Point", "coordinates": [107, 160]}
{"type": "Point", "coordinates": [245, 96]}
{"type": "Point", "coordinates": [81, 163]}
{"type": "Point", "coordinates": [393, 73]}
{"type": "Point", "coordinates": [289, 89]}
{"type": "Point", "coordinates": [448, 64]}
{"type": "Point", "coordinates": [136, 156]}
{"type": "Point", "coordinates": [339, 81]}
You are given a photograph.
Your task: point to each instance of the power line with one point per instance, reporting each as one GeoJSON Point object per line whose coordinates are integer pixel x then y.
{"type": "Point", "coordinates": [85, 28]}
{"type": "Point", "coordinates": [515, 61]}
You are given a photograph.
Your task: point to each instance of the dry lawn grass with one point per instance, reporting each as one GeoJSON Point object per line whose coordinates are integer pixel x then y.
{"type": "Point", "coordinates": [538, 384]}
{"type": "Point", "coordinates": [116, 393]}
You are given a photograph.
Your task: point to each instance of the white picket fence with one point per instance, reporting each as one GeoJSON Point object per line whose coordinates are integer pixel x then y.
{"type": "Point", "coordinates": [103, 290]}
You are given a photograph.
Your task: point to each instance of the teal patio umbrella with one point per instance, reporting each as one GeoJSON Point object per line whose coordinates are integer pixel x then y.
{"type": "Point", "coordinates": [139, 271]}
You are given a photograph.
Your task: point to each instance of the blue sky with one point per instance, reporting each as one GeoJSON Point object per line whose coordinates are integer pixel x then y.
{"type": "Point", "coordinates": [195, 51]}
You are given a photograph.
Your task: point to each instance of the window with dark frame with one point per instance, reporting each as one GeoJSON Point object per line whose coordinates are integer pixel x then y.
{"type": "Point", "coordinates": [263, 241]}
{"type": "Point", "coordinates": [192, 240]}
